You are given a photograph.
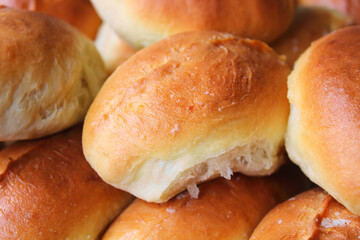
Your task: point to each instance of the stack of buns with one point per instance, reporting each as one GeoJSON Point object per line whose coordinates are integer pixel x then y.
{"type": "Point", "coordinates": [50, 73]}
{"type": "Point", "coordinates": [169, 123]}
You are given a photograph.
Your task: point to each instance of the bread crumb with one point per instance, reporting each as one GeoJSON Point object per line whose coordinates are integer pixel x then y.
{"type": "Point", "coordinates": [181, 195]}
{"type": "Point", "coordinates": [226, 173]}
{"type": "Point", "coordinates": [193, 190]}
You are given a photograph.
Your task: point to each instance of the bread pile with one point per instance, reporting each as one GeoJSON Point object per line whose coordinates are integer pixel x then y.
{"type": "Point", "coordinates": [179, 120]}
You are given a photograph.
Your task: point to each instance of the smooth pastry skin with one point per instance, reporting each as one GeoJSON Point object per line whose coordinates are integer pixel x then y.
{"type": "Point", "coordinates": [49, 75]}
{"type": "Point", "coordinates": [189, 108]}
{"type": "Point", "coordinates": [310, 215]}
{"type": "Point", "coordinates": [49, 191]}
{"type": "Point", "coordinates": [143, 22]}
{"type": "Point", "coordinates": [225, 209]}
{"type": "Point", "coordinates": [323, 135]}
{"type": "Point", "coordinates": [79, 13]}
{"type": "Point", "coordinates": [310, 24]}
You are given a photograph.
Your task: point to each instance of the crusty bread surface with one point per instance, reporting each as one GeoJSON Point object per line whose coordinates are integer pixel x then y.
{"type": "Point", "coordinates": [323, 135]}
{"type": "Point", "coordinates": [49, 75]}
{"type": "Point", "coordinates": [143, 22]}
{"type": "Point", "coordinates": [192, 107]}
{"type": "Point", "coordinates": [49, 191]}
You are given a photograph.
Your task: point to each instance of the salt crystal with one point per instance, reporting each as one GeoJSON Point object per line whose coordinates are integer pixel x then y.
{"type": "Point", "coordinates": [170, 209]}
{"type": "Point", "coordinates": [175, 129]}
{"type": "Point", "coordinates": [330, 223]}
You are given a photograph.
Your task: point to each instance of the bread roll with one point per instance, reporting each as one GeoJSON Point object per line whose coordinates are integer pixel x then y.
{"type": "Point", "coordinates": [143, 22]}
{"type": "Point", "coordinates": [225, 209]}
{"type": "Point", "coordinates": [350, 7]}
{"type": "Point", "coordinates": [79, 13]}
{"type": "Point", "coordinates": [49, 191]}
{"type": "Point", "coordinates": [323, 135]}
{"type": "Point", "coordinates": [310, 24]}
{"type": "Point", "coordinates": [49, 75]}
{"type": "Point", "coordinates": [310, 215]}
{"type": "Point", "coordinates": [112, 49]}
{"type": "Point", "coordinates": [187, 109]}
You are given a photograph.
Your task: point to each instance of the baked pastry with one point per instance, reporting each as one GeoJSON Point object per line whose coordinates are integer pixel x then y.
{"type": "Point", "coordinates": [49, 191]}
{"type": "Point", "coordinates": [323, 135]}
{"type": "Point", "coordinates": [49, 75]}
{"type": "Point", "coordinates": [225, 209]}
{"type": "Point", "coordinates": [187, 109]}
{"type": "Point", "coordinates": [350, 7]}
{"type": "Point", "coordinates": [310, 24]}
{"type": "Point", "coordinates": [143, 22]}
{"type": "Point", "coordinates": [113, 50]}
{"type": "Point", "coordinates": [79, 13]}
{"type": "Point", "coordinates": [310, 215]}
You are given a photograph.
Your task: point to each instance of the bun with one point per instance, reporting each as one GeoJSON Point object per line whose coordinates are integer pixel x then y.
{"type": "Point", "coordinates": [79, 13]}
{"type": "Point", "coordinates": [114, 50]}
{"type": "Point", "coordinates": [49, 75]}
{"type": "Point", "coordinates": [310, 215]}
{"type": "Point", "coordinates": [350, 7]}
{"type": "Point", "coordinates": [310, 24]}
{"type": "Point", "coordinates": [323, 135]}
{"type": "Point", "coordinates": [188, 109]}
{"type": "Point", "coordinates": [225, 209]}
{"type": "Point", "coordinates": [143, 22]}
{"type": "Point", "coordinates": [49, 191]}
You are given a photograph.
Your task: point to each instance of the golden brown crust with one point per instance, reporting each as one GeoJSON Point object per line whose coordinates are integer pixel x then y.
{"type": "Point", "coordinates": [350, 7]}
{"type": "Point", "coordinates": [310, 215]}
{"type": "Point", "coordinates": [324, 132]}
{"type": "Point", "coordinates": [49, 75]}
{"type": "Point", "coordinates": [79, 13]}
{"type": "Point", "coordinates": [142, 22]}
{"type": "Point", "coordinates": [225, 209]}
{"type": "Point", "coordinates": [49, 191]}
{"type": "Point", "coordinates": [310, 24]}
{"type": "Point", "coordinates": [187, 99]}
